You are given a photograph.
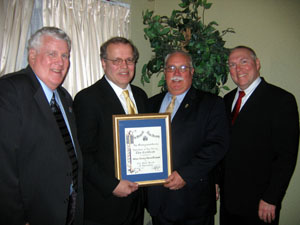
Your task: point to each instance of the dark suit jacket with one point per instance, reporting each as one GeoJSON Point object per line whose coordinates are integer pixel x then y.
{"type": "Point", "coordinates": [199, 141]}
{"type": "Point", "coordinates": [263, 151]}
{"type": "Point", "coordinates": [94, 107]}
{"type": "Point", "coordinates": [35, 169]}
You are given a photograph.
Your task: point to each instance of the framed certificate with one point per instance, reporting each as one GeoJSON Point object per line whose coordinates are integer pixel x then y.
{"type": "Point", "coordinates": [142, 147]}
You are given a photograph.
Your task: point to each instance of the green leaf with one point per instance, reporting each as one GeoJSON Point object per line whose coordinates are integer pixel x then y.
{"type": "Point", "coordinates": [207, 5]}
{"type": "Point", "coordinates": [164, 31]}
{"type": "Point", "coordinates": [162, 82]}
{"type": "Point", "coordinates": [226, 88]}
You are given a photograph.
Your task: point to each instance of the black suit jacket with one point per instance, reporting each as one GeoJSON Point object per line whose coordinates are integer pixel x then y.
{"type": "Point", "coordinates": [94, 107]}
{"type": "Point", "coordinates": [263, 150]}
{"type": "Point", "coordinates": [200, 139]}
{"type": "Point", "coordinates": [35, 169]}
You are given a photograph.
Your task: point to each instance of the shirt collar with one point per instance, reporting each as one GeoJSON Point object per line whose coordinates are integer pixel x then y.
{"type": "Point", "coordinates": [116, 88]}
{"type": "Point", "coordinates": [48, 92]}
{"type": "Point", "coordinates": [252, 87]}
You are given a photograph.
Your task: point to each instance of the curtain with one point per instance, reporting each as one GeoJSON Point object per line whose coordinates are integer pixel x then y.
{"type": "Point", "coordinates": [15, 16]}
{"type": "Point", "coordinates": [89, 23]}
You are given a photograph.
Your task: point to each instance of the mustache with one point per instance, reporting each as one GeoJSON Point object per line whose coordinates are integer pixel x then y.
{"type": "Point", "coordinates": [177, 78]}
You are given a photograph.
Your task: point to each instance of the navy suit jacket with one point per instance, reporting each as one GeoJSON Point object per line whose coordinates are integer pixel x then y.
{"type": "Point", "coordinates": [263, 149]}
{"type": "Point", "coordinates": [94, 107]}
{"type": "Point", "coordinates": [200, 139]}
{"type": "Point", "coordinates": [35, 169]}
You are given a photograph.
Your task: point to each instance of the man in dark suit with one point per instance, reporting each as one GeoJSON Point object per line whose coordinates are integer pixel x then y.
{"type": "Point", "coordinates": [264, 145]}
{"type": "Point", "coordinates": [199, 141]}
{"type": "Point", "coordinates": [107, 199]}
{"type": "Point", "coordinates": [38, 184]}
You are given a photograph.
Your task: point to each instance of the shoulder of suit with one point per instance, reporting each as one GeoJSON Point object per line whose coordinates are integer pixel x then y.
{"type": "Point", "coordinates": [138, 90]}
{"type": "Point", "coordinates": [158, 96]}
{"type": "Point", "coordinates": [21, 79]}
{"type": "Point", "coordinates": [97, 89]}
{"type": "Point", "coordinates": [194, 93]}
{"type": "Point", "coordinates": [273, 91]}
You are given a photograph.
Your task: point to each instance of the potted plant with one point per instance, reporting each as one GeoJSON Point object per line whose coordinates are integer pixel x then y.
{"type": "Point", "coordinates": [186, 30]}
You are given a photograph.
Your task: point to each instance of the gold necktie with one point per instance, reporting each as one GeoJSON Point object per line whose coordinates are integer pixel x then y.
{"type": "Point", "coordinates": [130, 106]}
{"type": "Point", "coordinates": [171, 105]}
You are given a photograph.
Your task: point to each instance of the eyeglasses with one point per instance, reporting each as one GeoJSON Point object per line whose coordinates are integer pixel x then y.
{"type": "Point", "coordinates": [118, 61]}
{"type": "Point", "coordinates": [181, 69]}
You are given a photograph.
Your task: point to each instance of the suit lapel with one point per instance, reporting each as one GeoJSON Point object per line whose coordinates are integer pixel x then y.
{"type": "Point", "coordinates": [253, 101]}
{"type": "Point", "coordinates": [186, 105]}
{"type": "Point", "coordinates": [109, 96]}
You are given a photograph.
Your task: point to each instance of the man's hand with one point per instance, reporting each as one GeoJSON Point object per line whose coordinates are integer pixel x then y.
{"type": "Point", "coordinates": [174, 181]}
{"type": "Point", "coordinates": [266, 211]}
{"type": "Point", "coordinates": [125, 188]}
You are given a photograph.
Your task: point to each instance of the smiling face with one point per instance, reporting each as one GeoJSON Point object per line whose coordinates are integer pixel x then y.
{"type": "Point", "coordinates": [121, 74]}
{"type": "Point", "coordinates": [50, 62]}
{"type": "Point", "coordinates": [178, 81]}
{"type": "Point", "coordinates": [244, 68]}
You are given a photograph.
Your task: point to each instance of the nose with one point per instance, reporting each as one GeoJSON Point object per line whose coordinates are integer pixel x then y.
{"type": "Point", "coordinates": [124, 64]}
{"type": "Point", "coordinates": [238, 67]}
{"type": "Point", "coordinates": [60, 60]}
{"type": "Point", "coordinates": [177, 72]}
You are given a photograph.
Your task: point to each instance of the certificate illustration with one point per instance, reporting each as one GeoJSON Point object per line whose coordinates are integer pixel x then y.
{"type": "Point", "coordinates": [142, 147]}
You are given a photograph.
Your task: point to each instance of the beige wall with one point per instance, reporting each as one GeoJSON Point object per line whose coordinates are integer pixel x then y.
{"type": "Point", "coordinates": [270, 27]}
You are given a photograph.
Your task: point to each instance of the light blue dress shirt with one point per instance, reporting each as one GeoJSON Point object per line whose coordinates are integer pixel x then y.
{"type": "Point", "coordinates": [167, 100]}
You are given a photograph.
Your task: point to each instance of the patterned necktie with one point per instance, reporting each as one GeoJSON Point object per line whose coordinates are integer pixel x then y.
{"type": "Point", "coordinates": [71, 152]}
{"type": "Point", "coordinates": [237, 106]}
{"type": "Point", "coordinates": [130, 106]}
{"type": "Point", "coordinates": [171, 105]}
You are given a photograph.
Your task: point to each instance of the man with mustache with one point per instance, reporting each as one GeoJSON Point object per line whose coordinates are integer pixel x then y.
{"type": "Point", "coordinates": [264, 144]}
{"type": "Point", "coordinates": [109, 201]}
{"type": "Point", "coordinates": [199, 141]}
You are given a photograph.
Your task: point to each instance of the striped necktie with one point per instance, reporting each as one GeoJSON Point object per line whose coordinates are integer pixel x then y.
{"type": "Point", "coordinates": [71, 153]}
{"type": "Point", "coordinates": [67, 139]}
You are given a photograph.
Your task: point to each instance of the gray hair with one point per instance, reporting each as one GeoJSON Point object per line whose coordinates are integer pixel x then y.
{"type": "Point", "coordinates": [253, 54]}
{"type": "Point", "coordinates": [35, 40]}
{"type": "Point", "coordinates": [181, 52]}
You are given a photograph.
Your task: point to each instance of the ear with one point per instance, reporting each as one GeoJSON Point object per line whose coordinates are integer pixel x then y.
{"type": "Point", "coordinates": [257, 61]}
{"type": "Point", "coordinates": [32, 56]}
{"type": "Point", "coordinates": [103, 62]}
{"type": "Point", "coordinates": [192, 71]}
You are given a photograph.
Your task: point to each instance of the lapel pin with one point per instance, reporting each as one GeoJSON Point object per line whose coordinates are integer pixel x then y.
{"type": "Point", "coordinates": [186, 105]}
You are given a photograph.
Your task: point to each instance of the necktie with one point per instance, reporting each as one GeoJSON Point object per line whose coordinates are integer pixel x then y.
{"type": "Point", "coordinates": [237, 106]}
{"type": "Point", "coordinates": [130, 106]}
{"type": "Point", "coordinates": [71, 152]}
{"type": "Point", "coordinates": [171, 105]}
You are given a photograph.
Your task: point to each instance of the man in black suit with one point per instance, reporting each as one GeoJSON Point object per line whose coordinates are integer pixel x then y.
{"type": "Point", "coordinates": [107, 199]}
{"type": "Point", "coordinates": [38, 184]}
{"type": "Point", "coordinates": [199, 141]}
{"type": "Point", "coordinates": [264, 145]}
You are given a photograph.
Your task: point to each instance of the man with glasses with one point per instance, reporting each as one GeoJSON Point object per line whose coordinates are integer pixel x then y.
{"type": "Point", "coordinates": [199, 141]}
{"type": "Point", "coordinates": [108, 200]}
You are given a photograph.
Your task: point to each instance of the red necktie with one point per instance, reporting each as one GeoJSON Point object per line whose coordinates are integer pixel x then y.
{"type": "Point", "coordinates": [237, 107]}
